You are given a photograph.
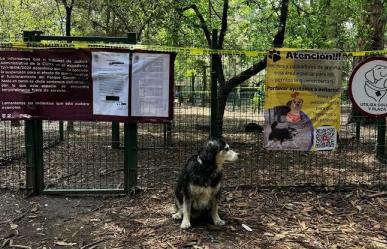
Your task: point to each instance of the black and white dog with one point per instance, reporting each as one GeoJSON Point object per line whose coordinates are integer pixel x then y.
{"type": "Point", "coordinates": [198, 186]}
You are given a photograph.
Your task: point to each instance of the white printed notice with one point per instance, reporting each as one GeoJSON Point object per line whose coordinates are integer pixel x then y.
{"type": "Point", "coordinates": [110, 73]}
{"type": "Point", "coordinates": [150, 85]}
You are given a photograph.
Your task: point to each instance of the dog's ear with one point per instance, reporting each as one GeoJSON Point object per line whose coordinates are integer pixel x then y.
{"type": "Point", "coordinates": [221, 143]}
{"type": "Point", "coordinates": [370, 76]}
{"type": "Point", "coordinates": [208, 153]}
{"type": "Point", "coordinates": [289, 103]}
{"type": "Point", "coordinates": [381, 72]}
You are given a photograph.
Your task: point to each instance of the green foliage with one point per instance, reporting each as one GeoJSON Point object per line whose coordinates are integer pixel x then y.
{"type": "Point", "coordinates": [251, 23]}
{"type": "Point", "coordinates": [17, 16]}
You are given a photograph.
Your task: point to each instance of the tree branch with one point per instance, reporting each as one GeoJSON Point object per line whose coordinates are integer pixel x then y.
{"type": "Point", "coordinates": [256, 68]}
{"type": "Point", "coordinates": [203, 24]}
{"type": "Point", "coordinates": [300, 9]}
{"type": "Point", "coordinates": [245, 75]}
{"type": "Point", "coordinates": [224, 24]}
{"type": "Point", "coordinates": [120, 16]}
{"type": "Point", "coordinates": [279, 37]}
{"type": "Point", "coordinates": [214, 10]}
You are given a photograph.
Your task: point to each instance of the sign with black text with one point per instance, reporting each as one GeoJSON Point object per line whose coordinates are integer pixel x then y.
{"type": "Point", "coordinates": [368, 87]}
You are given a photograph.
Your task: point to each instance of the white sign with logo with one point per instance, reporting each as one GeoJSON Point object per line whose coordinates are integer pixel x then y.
{"type": "Point", "coordinates": [368, 87]}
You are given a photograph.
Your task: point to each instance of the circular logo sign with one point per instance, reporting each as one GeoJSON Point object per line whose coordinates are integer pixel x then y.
{"type": "Point", "coordinates": [368, 87]}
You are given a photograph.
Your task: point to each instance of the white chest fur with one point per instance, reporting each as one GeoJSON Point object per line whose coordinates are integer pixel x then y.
{"type": "Point", "coordinates": [202, 196]}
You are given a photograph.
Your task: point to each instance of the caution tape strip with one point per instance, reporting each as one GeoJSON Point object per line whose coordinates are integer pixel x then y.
{"type": "Point", "coordinates": [184, 50]}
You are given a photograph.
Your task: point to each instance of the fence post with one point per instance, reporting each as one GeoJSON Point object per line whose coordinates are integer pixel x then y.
{"type": "Point", "coordinates": [131, 38]}
{"type": "Point", "coordinates": [381, 140]}
{"type": "Point", "coordinates": [30, 155]}
{"type": "Point", "coordinates": [130, 143]}
{"type": "Point", "coordinates": [214, 88]}
{"type": "Point", "coordinates": [34, 141]}
{"type": "Point", "coordinates": [34, 155]}
{"type": "Point", "coordinates": [130, 156]}
{"type": "Point", "coordinates": [115, 135]}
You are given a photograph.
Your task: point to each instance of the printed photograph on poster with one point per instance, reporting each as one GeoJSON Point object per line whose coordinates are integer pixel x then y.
{"type": "Point", "coordinates": [110, 74]}
{"type": "Point", "coordinates": [302, 99]}
{"type": "Point", "coordinates": [287, 126]}
{"type": "Point", "coordinates": [150, 85]}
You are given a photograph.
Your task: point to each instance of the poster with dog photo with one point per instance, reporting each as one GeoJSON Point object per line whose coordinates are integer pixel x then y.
{"type": "Point", "coordinates": [302, 99]}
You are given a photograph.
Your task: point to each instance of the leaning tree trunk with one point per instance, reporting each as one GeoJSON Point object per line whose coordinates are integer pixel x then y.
{"type": "Point", "coordinates": [225, 87]}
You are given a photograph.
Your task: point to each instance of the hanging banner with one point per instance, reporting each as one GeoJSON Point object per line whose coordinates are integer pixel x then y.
{"type": "Point", "coordinates": [82, 84]}
{"type": "Point", "coordinates": [368, 87]}
{"type": "Point", "coordinates": [302, 99]}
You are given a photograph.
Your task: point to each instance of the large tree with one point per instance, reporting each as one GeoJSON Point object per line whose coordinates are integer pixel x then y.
{"type": "Point", "coordinates": [226, 85]}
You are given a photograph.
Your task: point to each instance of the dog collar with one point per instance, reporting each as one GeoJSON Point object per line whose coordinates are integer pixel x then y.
{"type": "Point", "coordinates": [375, 87]}
{"type": "Point", "coordinates": [294, 117]}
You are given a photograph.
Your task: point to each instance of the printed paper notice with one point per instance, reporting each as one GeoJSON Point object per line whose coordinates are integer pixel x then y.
{"type": "Point", "coordinates": [110, 73]}
{"type": "Point", "coordinates": [150, 85]}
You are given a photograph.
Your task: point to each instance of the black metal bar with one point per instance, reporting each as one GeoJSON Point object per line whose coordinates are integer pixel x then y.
{"type": "Point", "coordinates": [214, 89]}
{"type": "Point", "coordinates": [61, 131]}
{"type": "Point", "coordinates": [38, 144]}
{"type": "Point", "coordinates": [34, 155]}
{"type": "Point", "coordinates": [115, 135]}
{"type": "Point", "coordinates": [36, 36]}
{"type": "Point", "coordinates": [30, 155]}
{"type": "Point", "coordinates": [130, 156]}
{"type": "Point", "coordinates": [381, 139]}
{"type": "Point", "coordinates": [131, 38]}
{"type": "Point", "coordinates": [83, 191]}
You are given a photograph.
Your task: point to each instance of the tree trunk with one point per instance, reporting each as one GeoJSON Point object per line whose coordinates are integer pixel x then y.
{"type": "Point", "coordinates": [225, 87]}
{"type": "Point", "coordinates": [204, 89]}
{"type": "Point", "coordinates": [68, 21]}
{"type": "Point", "coordinates": [69, 9]}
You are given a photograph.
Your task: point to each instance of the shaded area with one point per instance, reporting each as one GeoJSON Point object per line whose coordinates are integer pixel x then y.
{"type": "Point", "coordinates": [277, 219]}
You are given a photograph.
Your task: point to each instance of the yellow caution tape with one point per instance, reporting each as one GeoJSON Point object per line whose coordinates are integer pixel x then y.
{"type": "Point", "coordinates": [184, 50]}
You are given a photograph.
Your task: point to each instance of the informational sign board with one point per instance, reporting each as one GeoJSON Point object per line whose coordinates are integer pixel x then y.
{"type": "Point", "coordinates": [368, 87]}
{"type": "Point", "coordinates": [45, 84]}
{"type": "Point", "coordinates": [110, 73]}
{"type": "Point", "coordinates": [150, 85]}
{"type": "Point", "coordinates": [302, 99]}
{"type": "Point", "coordinates": [84, 84]}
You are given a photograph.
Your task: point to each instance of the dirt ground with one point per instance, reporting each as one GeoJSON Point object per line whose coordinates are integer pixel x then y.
{"type": "Point", "coordinates": [255, 219]}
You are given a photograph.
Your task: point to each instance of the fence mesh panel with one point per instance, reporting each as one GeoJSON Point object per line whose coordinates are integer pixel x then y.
{"type": "Point", "coordinates": [85, 158]}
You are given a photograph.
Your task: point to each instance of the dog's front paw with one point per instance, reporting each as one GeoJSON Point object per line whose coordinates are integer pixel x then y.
{"type": "Point", "coordinates": [219, 222]}
{"type": "Point", "coordinates": [185, 224]}
{"type": "Point", "coordinates": [176, 216]}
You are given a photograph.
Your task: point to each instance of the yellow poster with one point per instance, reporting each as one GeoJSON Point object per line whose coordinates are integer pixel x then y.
{"type": "Point", "coordinates": [302, 99]}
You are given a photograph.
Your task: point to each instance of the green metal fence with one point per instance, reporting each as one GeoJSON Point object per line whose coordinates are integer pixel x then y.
{"type": "Point", "coordinates": [86, 160]}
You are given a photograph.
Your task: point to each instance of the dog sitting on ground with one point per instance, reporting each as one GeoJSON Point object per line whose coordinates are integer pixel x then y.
{"type": "Point", "coordinates": [281, 135]}
{"type": "Point", "coordinates": [199, 184]}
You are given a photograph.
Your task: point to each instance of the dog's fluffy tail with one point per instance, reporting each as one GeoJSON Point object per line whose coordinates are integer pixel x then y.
{"type": "Point", "coordinates": [274, 124]}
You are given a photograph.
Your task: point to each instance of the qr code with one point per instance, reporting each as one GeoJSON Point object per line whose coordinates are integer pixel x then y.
{"type": "Point", "coordinates": [325, 138]}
